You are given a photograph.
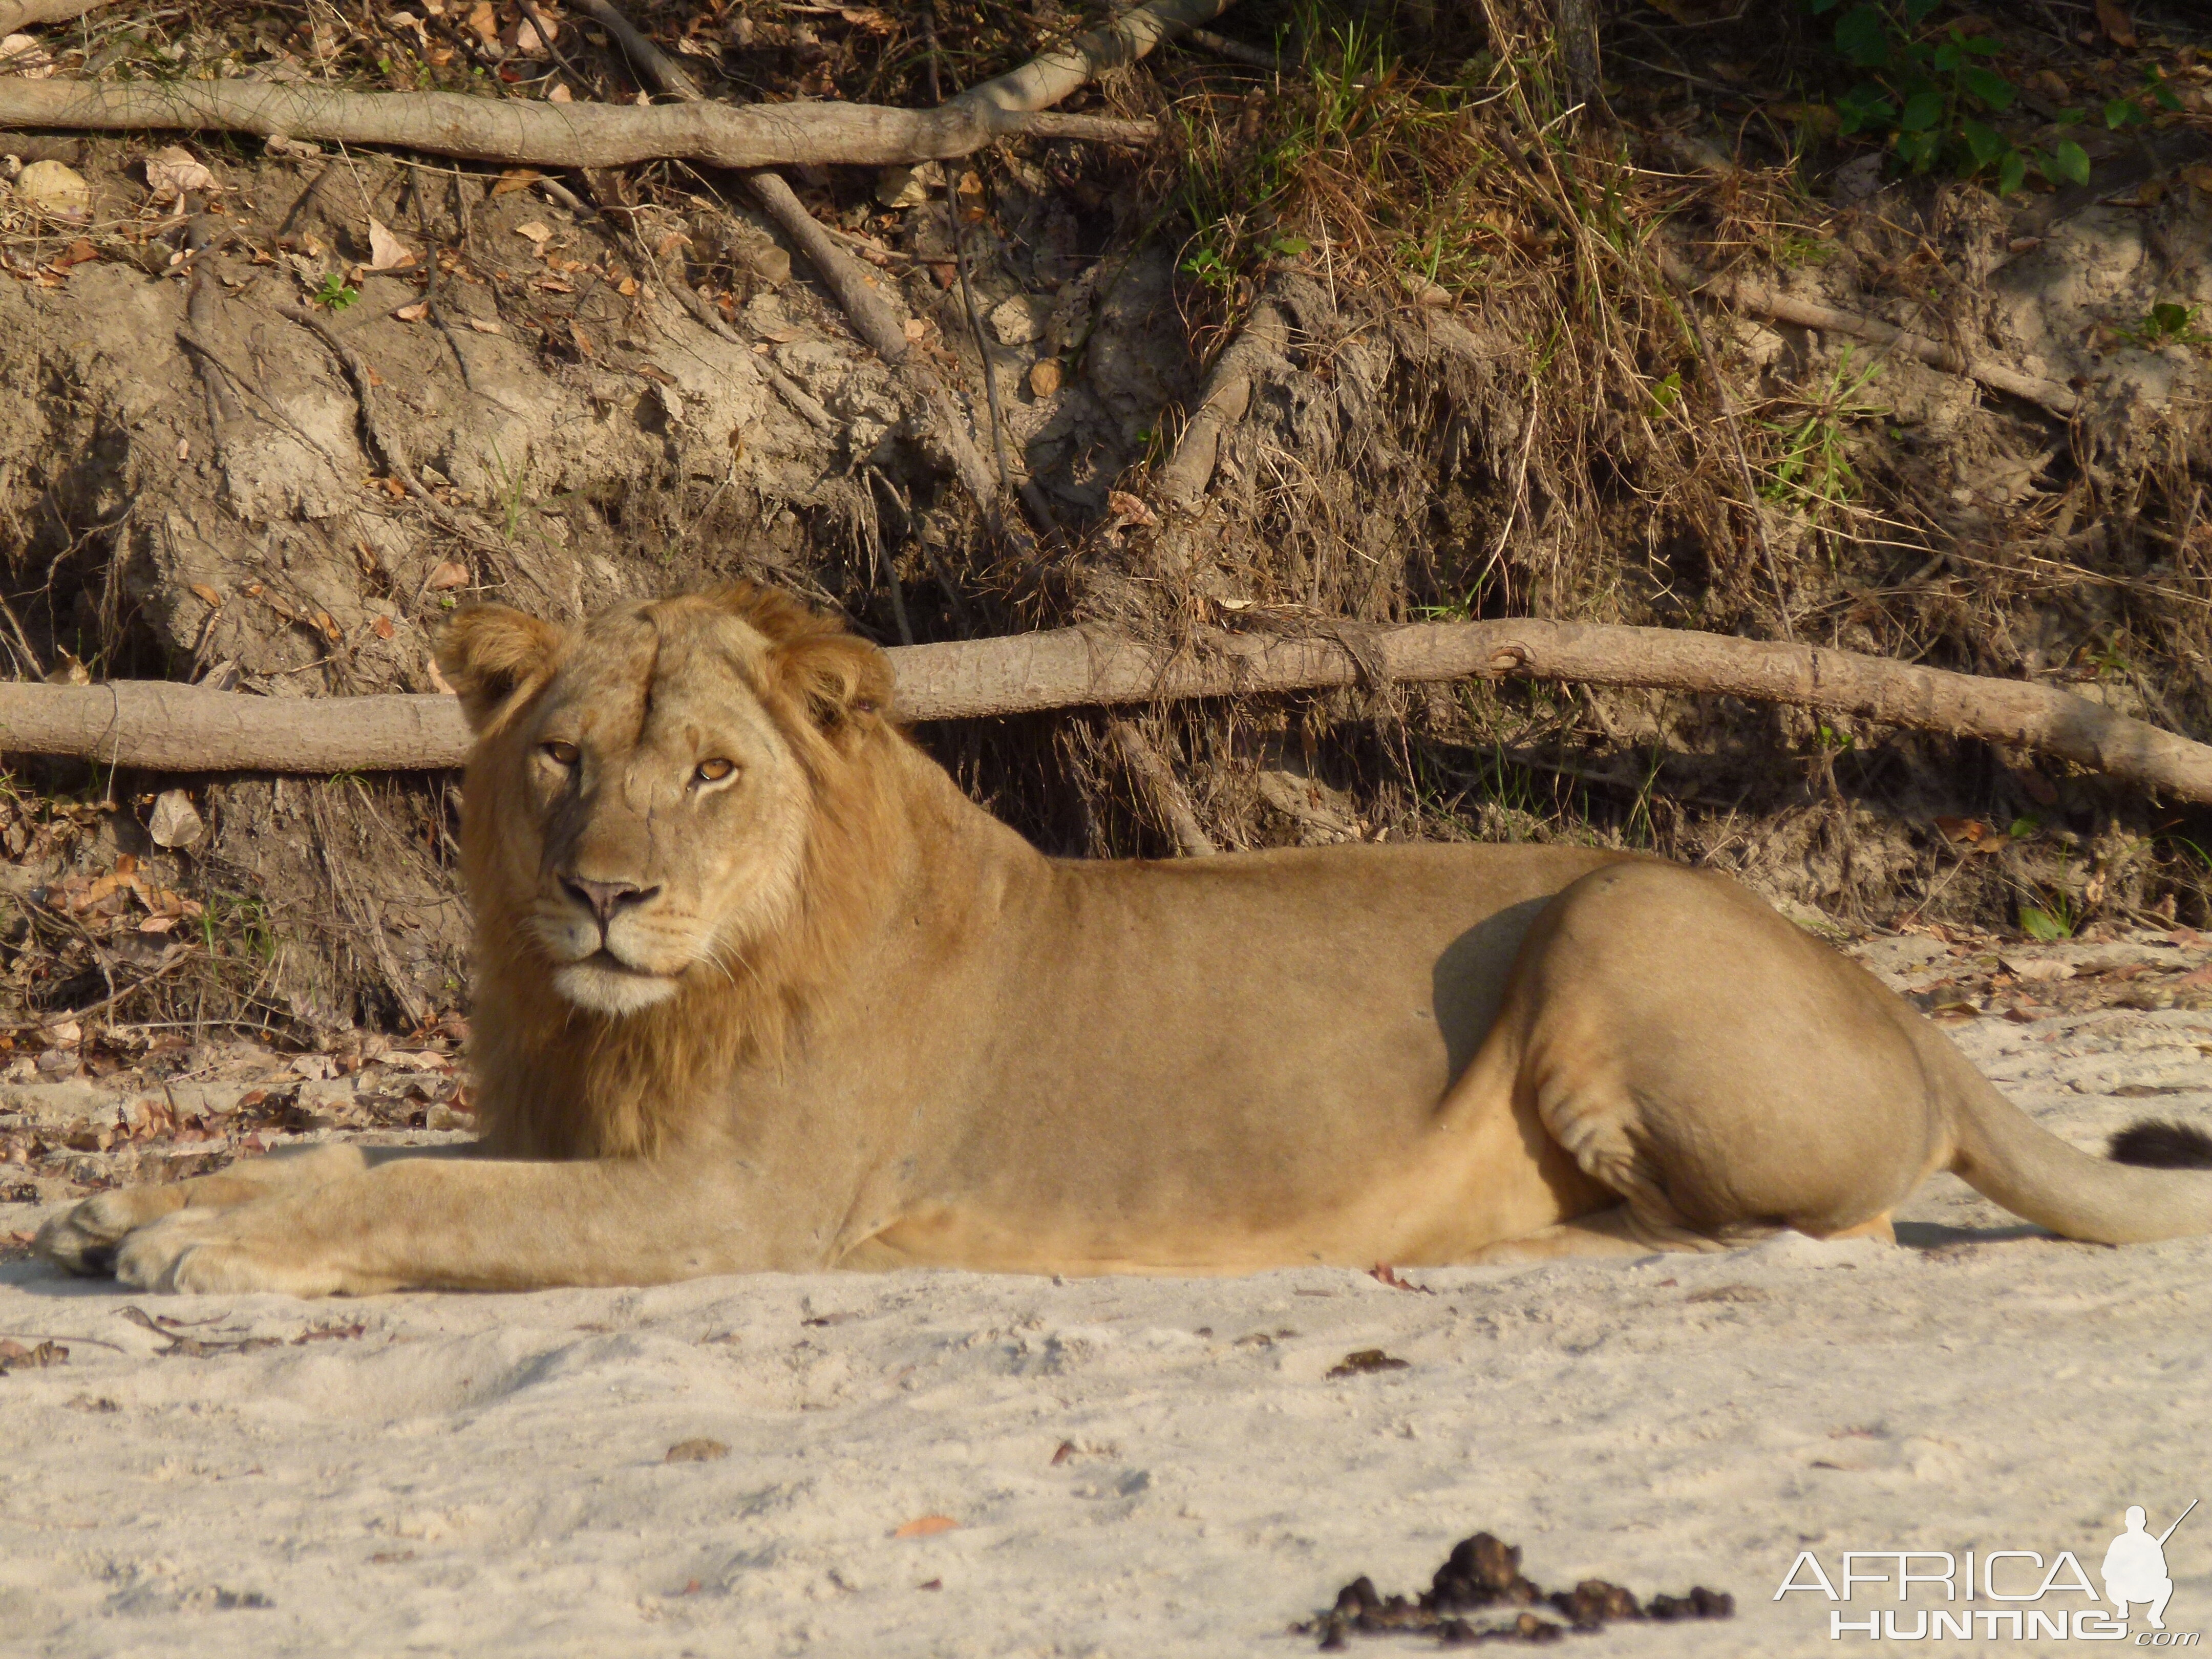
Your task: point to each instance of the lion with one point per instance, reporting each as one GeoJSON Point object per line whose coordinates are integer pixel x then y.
{"type": "Point", "coordinates": [758, 988]}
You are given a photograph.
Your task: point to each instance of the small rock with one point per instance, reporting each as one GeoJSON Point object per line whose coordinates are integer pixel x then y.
{"type": "Point", "coordinates": [1019, 321]}
{"type": "Point", "coordinates": [1855, 181]}
{"type": "Point", "coordinates": [57, 191]}
{"type": "Point", "coordinates": [767, 262]}
{"type": "Point", "coordinates": [700, 1450]}
{"type": "Point", "coordinates": [1045, 375]}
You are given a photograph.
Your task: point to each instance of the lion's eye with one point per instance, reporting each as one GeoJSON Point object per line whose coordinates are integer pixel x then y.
{"type": "Point", "coordinates": [714, 771]}
{"type": "Point", "coordinates": [560, 754]}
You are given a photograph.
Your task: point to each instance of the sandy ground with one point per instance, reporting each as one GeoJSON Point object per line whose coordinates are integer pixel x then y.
{"type": "Point", "coordinates": [1136, 1467]}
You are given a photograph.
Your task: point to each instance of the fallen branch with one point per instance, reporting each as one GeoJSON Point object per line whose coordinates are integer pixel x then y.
{"type": "Point", "coordinates": [1236, 52]}
{"type": "Point", "coordinates": [16, 15]}
{"type": "Point", "coordinates": [513, 132]}
{"type": "Point", "coordinates": [1761, 301]}
{"type": "Point", "coordinates": [1051, 75]}
{"type": "Point", "coordinates": [161, 727]}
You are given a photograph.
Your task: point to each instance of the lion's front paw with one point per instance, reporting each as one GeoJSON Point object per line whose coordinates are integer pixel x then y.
{"type": "Point", "coordinates": [203, 1253]}
{"type": "Point", "coordinates": [82, 1238]}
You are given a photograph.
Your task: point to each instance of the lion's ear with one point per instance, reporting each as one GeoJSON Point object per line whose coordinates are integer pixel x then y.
{"type": "Point", "coordinates": [489, 652]}
{"type": "Point", "coordinates": [840, 680]}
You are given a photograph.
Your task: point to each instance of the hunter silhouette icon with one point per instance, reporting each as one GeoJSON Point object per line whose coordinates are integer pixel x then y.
{"type": "Point", "coordinates": [2135, 1566]}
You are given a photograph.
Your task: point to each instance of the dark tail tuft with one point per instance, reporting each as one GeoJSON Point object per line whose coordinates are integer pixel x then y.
{"type": "Point", "coordinates": [2162, 1145]}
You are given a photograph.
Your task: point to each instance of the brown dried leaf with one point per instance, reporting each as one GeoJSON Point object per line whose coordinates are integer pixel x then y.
{"type": "Point", "coordinates": [446, 575]}
{"type": "Point", "coordinates": [414, 314]}
{"type": "Point", "coordinates": [2119, 28]}
{"type": "Point", "coordinates": [171, 171]}
{"type": "Point", "coordinates": [385, 251]}
{"type": "Point", "coordinates": [1129, 509]}
{"type": "Point", "coordinates": [202, 591]}
{"type": "Point", "coordinates": [517, 178]}
{"type": "Point", "coordinates": [926, 1525]}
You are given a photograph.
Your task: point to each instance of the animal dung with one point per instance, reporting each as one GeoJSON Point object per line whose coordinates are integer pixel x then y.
{"type": "Point", "coordinates": [1482, 1575]}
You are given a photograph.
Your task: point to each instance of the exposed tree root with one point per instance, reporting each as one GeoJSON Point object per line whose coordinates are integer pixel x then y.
{"type": "Point", "coordinates": [1051, 75]}
{"type": "Point", "coordinates": [179, 728]}
{"type": "Point", "coordinates": [1156, 779]}
{"type": "Point", "coordinates": [513, 132]}
{"type": "Point", "coordinates": [1265, 335]}
{"type": "Point", "coordinates": [1746, 296]}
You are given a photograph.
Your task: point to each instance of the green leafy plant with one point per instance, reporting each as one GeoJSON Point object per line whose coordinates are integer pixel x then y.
{"type": "Point", "coordinates": [2050, 922]}
{"type": "Point", "coordinates": [335, 294]}
{"type": "Point", "coordinates": [1934, 95]}
{"type": "Point", "coordinates": [1814, 471]}
{"type": "Point", "coordinates": [2138, 109]}
{"type": "Point", "coordinates": [2167, 324]}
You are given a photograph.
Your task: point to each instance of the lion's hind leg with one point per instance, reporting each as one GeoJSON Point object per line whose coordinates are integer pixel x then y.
{"type": "Point", "coordinates": [1725, 1075]}
{"type": "Point", "coordinates": [1617, 1233]}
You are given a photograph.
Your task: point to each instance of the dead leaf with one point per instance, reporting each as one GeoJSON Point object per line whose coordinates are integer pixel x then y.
{"type": "Point", "coordinates": [700, 1450]}
{"type": "Point", "coordinates": [926, 1525]}
{"type": "Point", "coordinates": [1365, 1360]}
{"type": "Point", "coordinates": [175, 822]}
{"type": "Point", "coordinates": [446, 575]}
{"type": "Point", "coordinates": [518, 179]}
{"type": "Point", "coordinates": [414, 314]}
{"type": "Point", "coordinates": [2119, 28]}
{"type": "Point", "coordinates": [484, 23]}
{"type": "Point", "coordinates": [1129, 509]}
{"type": "Point", "coordinates": [1383, 1273]}
{"type": "Point", "coordinates": [483, 327]}
{"type": "Point", "coordinates": [531, 231]}
{"type": "Point", "coordinates": [869, 18]}
{"type": "Point", "coordinates": [1970, 833]}
{"type": "Point", "coordinates": [1045, 377]}
{"type": "Point", "coordinates": [385, 251]}
{"type": "Point", "coordinates": [202, 591]}
{"type": "Point", "coordinates": [381, 627]}
{"type": "Point", "coordinates": [560, 94]}
{"type": "Point", "coordinates": [14, 1356]}
{"type": "Point", "coordinates": [171, 171]}
{"type": "Point", "coordinates": [80, 252]}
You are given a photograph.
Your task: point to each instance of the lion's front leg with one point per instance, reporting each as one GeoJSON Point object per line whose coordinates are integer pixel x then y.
{"type": "Point", "coordinates": [82, 1238]}
{"type": "Point", "coordinates": [421, 1223]}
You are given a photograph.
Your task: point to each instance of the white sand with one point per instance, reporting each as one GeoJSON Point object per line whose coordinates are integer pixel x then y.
{"type": "Point", "coordinates": [485, 1476]}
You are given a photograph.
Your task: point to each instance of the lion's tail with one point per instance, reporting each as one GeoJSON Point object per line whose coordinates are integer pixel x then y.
{"type": "Point", "coordinates": [2005, 1155]}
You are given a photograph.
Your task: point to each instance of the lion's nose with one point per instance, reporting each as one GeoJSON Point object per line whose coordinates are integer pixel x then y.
{"type": "Point", "coordinates": [604, 898]}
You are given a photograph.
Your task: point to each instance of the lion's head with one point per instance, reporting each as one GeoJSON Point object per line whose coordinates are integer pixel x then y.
{"type": "Point", "coordinates": [676, 822]}
{"type": "Point", "coordinates": [644, 792]}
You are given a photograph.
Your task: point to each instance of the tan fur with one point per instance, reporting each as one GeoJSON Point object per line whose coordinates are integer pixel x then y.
{"type": "Point", "coordinates": [758, 988]}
